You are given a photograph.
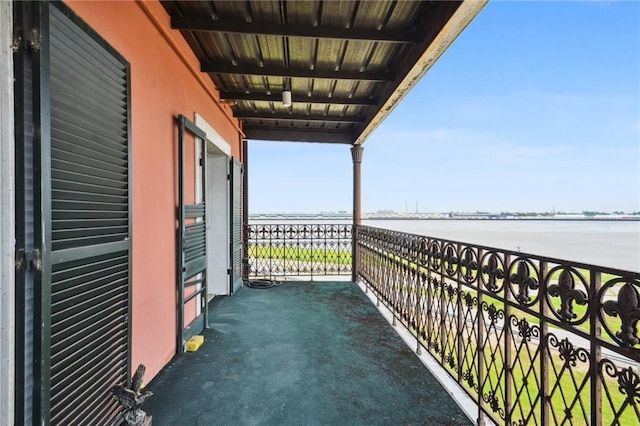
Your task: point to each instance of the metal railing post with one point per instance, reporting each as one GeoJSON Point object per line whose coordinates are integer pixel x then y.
{"type": "Point", "coordinates": [356, 156]}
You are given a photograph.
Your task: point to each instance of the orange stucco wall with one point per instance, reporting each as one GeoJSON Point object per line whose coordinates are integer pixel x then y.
{"type": "Point", "coordinates": [162, 86]}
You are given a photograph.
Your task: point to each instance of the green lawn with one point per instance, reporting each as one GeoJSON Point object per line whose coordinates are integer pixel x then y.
{"type": "Point", "coordinates": [301, 254]}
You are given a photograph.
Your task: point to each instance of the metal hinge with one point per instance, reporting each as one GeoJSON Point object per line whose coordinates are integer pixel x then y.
{"type": "Point", "coordinates": [32, 259]}
{"type": "Point", "coordinates": [19, 259]}
{"type": "Point", "coordinates": [31, 41]}
{"type": "Point", "coordinates": [201, 162]}
{"type": "Point", "coordinates": [16, 43]}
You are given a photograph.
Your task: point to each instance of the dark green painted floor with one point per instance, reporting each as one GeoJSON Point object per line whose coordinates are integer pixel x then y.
{"type": "Point", "coordinates": [300, 354]}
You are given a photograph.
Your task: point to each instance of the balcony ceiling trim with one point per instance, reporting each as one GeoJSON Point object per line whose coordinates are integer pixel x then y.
{"type": "Point", "coordinates": [282, 133]}
{"type": "Point", "coordinates": [272, 71]}
{"type": "Point", "coordinates": [277, 97]}
{"type": "Point", "coordinates": [347, 64]}
{"type": "Point", "coordinates": [299, 117]}
{"type": "Point", "coordinates": [450, 31]}
{"type": "Point", "coordinates": [283, 30]}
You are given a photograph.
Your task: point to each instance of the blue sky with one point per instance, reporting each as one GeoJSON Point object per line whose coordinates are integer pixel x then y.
{"type": "Point", "coordinates": [536, 104]}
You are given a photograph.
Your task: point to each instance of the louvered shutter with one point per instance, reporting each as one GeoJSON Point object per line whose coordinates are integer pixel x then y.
{"type": "Point", "coordinates": [236, 225]}
{"type": "Point", "coordinates": [89, 223]}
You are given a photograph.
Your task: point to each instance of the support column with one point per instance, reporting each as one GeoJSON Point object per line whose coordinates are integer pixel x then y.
{"type": "Point", "coordinates": [7, 218]}
{"type": "Point", "coordinates": [245, 210]}
{"type": "Point", "coordinates": [356, 156]}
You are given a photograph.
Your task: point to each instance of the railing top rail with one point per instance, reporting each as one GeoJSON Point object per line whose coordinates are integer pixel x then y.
{"type": "Point", "coordinates": [604, 269]}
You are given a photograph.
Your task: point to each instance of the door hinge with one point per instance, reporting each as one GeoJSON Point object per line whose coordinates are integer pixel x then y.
{"type": "Point", "coordinates": [201, 162]}
{"type": "Point", "coordinates": [16, 43]}
{"type": "Point", "coordinates": [19, 259]}
{"type": "Point", "coordinates": [33, 260]}
{"type": "Point", "coordinates": [33, 40]}
{"type": "Point", "coordinates": [29, 41]}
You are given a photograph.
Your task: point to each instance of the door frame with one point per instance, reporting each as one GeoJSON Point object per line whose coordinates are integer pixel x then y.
{"type": "Point", "coordinates": [218, 194]}
{"type": "Point", "coordinates": [7, 217]}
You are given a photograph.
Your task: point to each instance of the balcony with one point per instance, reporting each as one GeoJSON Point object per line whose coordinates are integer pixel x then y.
{"type": "Point", "coordinates": [527, 339]}
{"type": "Point", "coordinates": [297, 354]}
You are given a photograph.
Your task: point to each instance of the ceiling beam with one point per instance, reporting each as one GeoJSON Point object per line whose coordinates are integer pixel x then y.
{"type": "Point", "coordinates": [297, 117]}
{"type": "Point", "coordinates": [217, 68]}
{"type": "Point", "coordinates": [282, 30]}
{"type": "Point", "coordinates": [277, 97]}
{"type": "Point", "coordinates": [298, 135]}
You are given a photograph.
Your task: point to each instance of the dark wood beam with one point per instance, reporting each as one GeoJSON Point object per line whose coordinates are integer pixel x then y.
{"type": "Point", "coordinates": [297, 117]}
{"type": "Point", "coordinates": [277, 97]}
{"type": "Point", "coordinates": [296, 135]}
{"type": "Point", "coordinates": [321, 32]}
{"type": "Point", "coordinates": [295, 73]}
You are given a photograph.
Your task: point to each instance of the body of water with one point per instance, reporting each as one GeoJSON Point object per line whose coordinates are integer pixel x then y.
{"type": "Point", "coordinates": [612, 244]}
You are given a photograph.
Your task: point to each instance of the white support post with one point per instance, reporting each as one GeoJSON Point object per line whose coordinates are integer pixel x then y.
{"type": "Point", "coordinates": [7, 220]}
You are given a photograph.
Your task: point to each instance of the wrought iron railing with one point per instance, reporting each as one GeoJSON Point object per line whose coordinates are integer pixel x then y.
{"type": "Point", "coordinates": [532, 340]}
{"type": "Point", "coordinates": [277, 250]}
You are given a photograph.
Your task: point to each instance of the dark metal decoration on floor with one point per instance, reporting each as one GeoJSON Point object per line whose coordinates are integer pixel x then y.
{"type": "Point", "coordinates": [131, 399]}
{"type": "Point", "coordinates": [532, 340]}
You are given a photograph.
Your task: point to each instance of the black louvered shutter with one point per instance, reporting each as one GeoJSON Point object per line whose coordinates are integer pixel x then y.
{"type": "Point", "coordinates": [88, 223]}
{"type": "Point", "coordinates": [236, 225]}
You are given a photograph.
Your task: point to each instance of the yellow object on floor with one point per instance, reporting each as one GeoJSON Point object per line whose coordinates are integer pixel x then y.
{"type": "Point", "coordinates": [194, 343]}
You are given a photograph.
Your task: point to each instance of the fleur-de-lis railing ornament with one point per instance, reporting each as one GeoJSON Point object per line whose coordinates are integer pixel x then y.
{"type": "Point", "coordinates": [628, 309]}
{"type": "Point", "coordinates": [565, 289]}
{"type": "Point", "coordinates": [290, 232]}
{"type": "Point", "coordinates": [304, 231]}
{"type": "Point", "coordinates": [470, 265]}
{"type": "Point", "coordinates": [524, 329]}
{"type": "Point", "coordinates": [450, 260]}
{"type": "Point", "coordinates": [525, 281]}
{"type": "Point", "coordinates": [434, 254]}
{"type": "Point", "coordinates": [494, 273]}
{"type": "Point", "coordinates": [493, 314]}
{"type": "Point", "coordinates": [451, 292]}
{"type": "Point", "coordinates": [469, 300]}
{"type": "Point", "coordinates": [263, 232]}
{"type": "Point", "coordinates": [278, 232]}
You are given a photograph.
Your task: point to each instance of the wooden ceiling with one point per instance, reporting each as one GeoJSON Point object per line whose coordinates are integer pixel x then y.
{"type": "Point", "coordinates": [346, 63]}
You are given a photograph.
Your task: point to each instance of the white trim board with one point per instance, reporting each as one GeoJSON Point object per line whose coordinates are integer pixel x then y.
{"type": "Point", "coordinates": [7, 219]}
{"type": "Point", "coordinates": [213, 137]}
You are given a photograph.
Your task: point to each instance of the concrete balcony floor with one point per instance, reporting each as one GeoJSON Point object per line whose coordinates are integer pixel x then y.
{"type": "Point", "coordinates": [301, 353]}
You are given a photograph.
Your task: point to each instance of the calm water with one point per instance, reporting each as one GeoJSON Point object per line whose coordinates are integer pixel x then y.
{"type": "Point", "coordinates": [609, 244]}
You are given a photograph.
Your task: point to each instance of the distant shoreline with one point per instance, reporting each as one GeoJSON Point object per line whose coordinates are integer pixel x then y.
{"type": "Point", "coordinates": [547, 219]}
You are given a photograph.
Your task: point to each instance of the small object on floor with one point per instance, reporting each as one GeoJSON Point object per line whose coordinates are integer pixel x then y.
{"type": "Point", "coordinates": [131, 399]}
{"type": "Point", "coordinates": [194, 343]}
{"type": "Point", "coordinates": [261, 283]}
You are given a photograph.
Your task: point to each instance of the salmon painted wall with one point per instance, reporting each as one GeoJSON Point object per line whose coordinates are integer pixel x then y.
{"type": "Point", "coordinates": [163, 85]}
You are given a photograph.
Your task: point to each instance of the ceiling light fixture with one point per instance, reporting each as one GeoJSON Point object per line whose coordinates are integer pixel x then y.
{"type": "Point", "coordinates": [286, 98]}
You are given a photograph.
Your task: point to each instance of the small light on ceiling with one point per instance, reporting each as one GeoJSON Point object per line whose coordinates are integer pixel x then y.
{"type": "Point", "coordinates": [286, 98]}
